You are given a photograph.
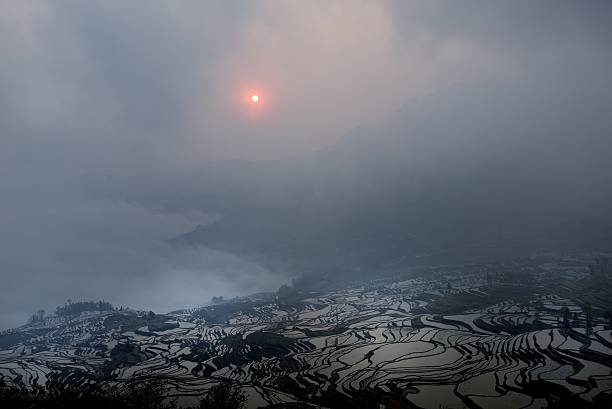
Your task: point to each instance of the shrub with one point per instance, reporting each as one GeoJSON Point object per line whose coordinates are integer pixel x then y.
{"type": "Point", "coordinates": [223, 396]}
{"type": "Point", "coordinates": [142, 395]}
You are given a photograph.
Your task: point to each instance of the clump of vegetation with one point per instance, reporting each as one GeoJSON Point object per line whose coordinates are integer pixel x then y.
{"type": "Point", "coordinates": [147, 395]}
{"type": "Point", "coordinates": [143, 395]}
{"type": "Point", "coordinates": [223, 396]}
{"type": "Point", "coordinates": [38, 316]}
{"type": "Point", "coordinates": [75, 308]}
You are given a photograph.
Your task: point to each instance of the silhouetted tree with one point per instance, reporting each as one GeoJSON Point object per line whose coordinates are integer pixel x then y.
{"type": "Point", "coordinates": [566, 323]}
{"type": "Point", "coordinates": [589, 320]}
{"type": "Point", "coordinates": [223, 396]}
{"type": "Point", "coordinates": [38, 316]}
{"type": "Point", "coordinates": [76, 308]}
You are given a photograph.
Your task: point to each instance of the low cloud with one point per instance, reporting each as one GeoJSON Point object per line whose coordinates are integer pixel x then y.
{"type": "Point", "coordinates": [148, 93]}
{"type": "Point", "coordinates": [64, 247]}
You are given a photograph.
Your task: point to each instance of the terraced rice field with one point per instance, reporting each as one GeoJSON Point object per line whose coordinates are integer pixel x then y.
{"type": "Point", "coordinates": [379, 341]}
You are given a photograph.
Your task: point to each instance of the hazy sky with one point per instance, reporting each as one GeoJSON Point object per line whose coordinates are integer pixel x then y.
{"type": "Point", "coordinates": [126, 88]}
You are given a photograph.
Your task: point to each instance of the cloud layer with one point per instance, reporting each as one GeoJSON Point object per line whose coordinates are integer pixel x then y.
{"type": "Point", "coordinates": [136, 92]}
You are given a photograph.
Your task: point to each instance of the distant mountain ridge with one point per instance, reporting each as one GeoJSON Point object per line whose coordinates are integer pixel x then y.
{"type": "Point", "coordinates": [473, 172]}
{"type": "Point", "coordinates": [483, 171]}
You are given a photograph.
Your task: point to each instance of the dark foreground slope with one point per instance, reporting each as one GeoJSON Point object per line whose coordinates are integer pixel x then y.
{"type": "Point", "coordinates": [151, 394]}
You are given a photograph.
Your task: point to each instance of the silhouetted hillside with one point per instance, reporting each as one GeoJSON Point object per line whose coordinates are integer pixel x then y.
{"type": "Point", "coordinates": [483, 172]}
